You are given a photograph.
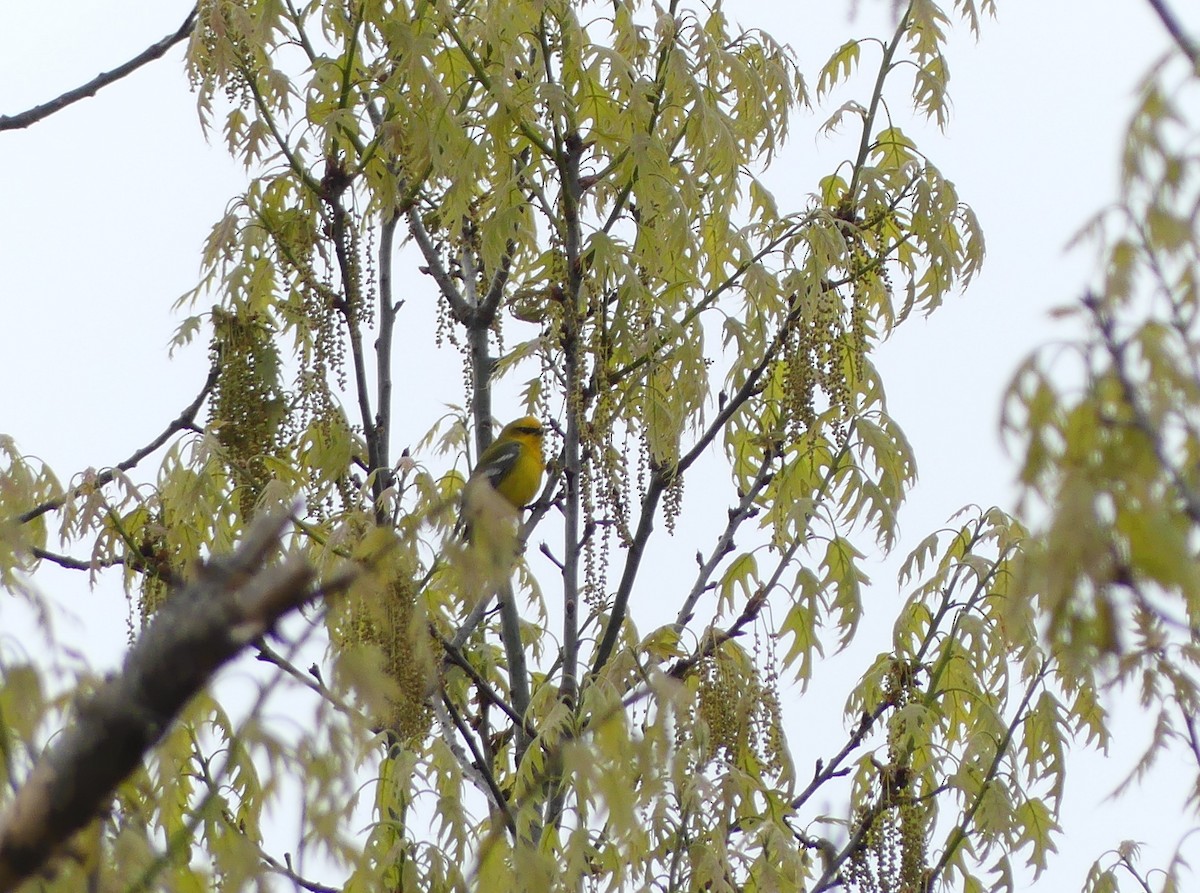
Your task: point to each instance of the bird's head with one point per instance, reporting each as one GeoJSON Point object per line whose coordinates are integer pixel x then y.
{"type": "Point", "coordinates": [526, 429]}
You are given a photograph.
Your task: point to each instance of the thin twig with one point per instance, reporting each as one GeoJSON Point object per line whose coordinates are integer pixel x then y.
{"type": "Point", "coordinates": [633, 561]}
{"type": "Point", "coordinates": [455, 656]}
{"type": "Point", "coordinates": [715, 638]}
{"type": "Point", "coordinates": [885, 67]}
{"type": "Point", "coordinates": [185, 421]}
{"type": "Point", "coordinates": [71, 563]}
{"type": "Point", "coordinates": [92, 87]}
{"type": "Point", "coordinates": [213, 785]}
{"type": "Point", "coordinates": [481, 765]}
{"type": "Point", "coordinates": [269, 655]}
{"type": "Point", "coordinates": [959, 834]}
{"type": "Point", "coordinates": [288, 872]}
{"type": "Point", "coordinates": [383, 345]}
{"type": "Point", "coordinates": [724, 545]}
{"type": "Point", "coordinates": [435, 268]}
{"type": "Point", "coordinates": [823, 771]}
{"type": "Point", "coordinates": [661, 476]}
{"type": "Point", "coordinates": [1175, 29]}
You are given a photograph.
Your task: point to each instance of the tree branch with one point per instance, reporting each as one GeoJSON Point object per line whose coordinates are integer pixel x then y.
{"type": "Point", "coordinates": [633, 561]}
{"type": "Point", "coordinates": [269, 655]}
{"type": "Point", "coordinates": [477, 323]}
{"type": "Point", "coordinates": [186, 420]}
{"type": "Point", "coordinates": [435, 268]}
{"type": "Point", "coordinates": [833, 769]}
{"type": "Point", "coordinates": [286, 871]}
{"type": "Point", "coordinates": [481, 764]}
{"type": "Point", "coordinates": [71, 563]}
{"type": "Point", "coordinates": [661, 477]}
{"type": "Point", "coordinates": [383, 344]}
{"type": "Point", "coordinates": [1150, 428]}
{"type": "Point", "coordinates": [715, 638]}
{"type": "Point", "coordinates": [487, 694]}
{"type": "Point", "coordinates": [743, 510]}
{"type": "Point", "coordinates": [568, 162]}
{"type": "Point", "coordinates": [1175, 29]}
{"type": "Point", "coordinates": [959, 834]}
{"type": "Point", "coordinates": [345, 248]}
{"type": "Point", "coordinates": [885, 66]}
{"type": "Point", "coordinates": [92, 87]}
{"type": "Point", "coordinates": [518, 673]}
{"type": "Point", "coordinates": [233, 601]}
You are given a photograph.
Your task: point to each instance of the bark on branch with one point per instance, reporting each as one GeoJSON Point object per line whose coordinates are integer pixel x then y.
{"type": "Point", "coordinates": [233, 602]}
{"type": "Point", "coordinates": [92, 87]}
{"type": "Point", "coordinates": [1175, 28]}
{"type": "Point", "coordinates": [186, 421]}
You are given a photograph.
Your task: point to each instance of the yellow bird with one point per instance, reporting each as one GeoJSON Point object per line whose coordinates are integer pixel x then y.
{"type": "Point", "coordinates": [513, 464]}
{"type": "Point", "coordinates": [504, 481]}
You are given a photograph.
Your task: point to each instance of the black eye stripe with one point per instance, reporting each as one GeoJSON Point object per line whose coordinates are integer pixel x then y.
{"type": "Point", "coordinates": [530, 431]}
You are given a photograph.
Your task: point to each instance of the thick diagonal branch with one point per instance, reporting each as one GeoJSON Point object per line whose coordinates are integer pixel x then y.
{"type": "Point", "coordinates": [233, 602]}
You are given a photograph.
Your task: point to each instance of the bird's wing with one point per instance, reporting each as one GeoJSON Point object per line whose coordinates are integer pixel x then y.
{"type": "Point", "coordinates": [499, 463]}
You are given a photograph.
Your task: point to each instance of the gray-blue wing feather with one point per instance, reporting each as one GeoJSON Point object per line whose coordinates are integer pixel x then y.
{"type": "Point", "coordinates": [500, 463]}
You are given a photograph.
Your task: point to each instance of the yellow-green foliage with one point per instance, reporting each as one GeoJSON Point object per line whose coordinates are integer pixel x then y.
{"type": "Point", "coordinates": [380, 631]}
{"type": "Point", "coordinates": [1109, 436]}
{"type": "Point", "coordinates": [24, 483]}
{"type": "Point", "coordinates": [739, 712]}
{"type": "Point", "coordinates": [247, 410]}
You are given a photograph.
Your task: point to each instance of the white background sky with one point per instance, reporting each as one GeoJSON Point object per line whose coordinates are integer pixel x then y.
{"type": "Point", "coordinates": [104, 207]}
